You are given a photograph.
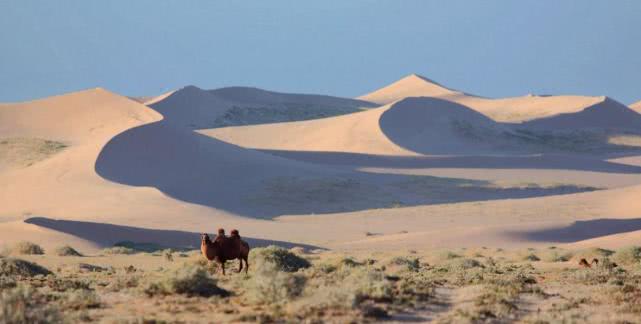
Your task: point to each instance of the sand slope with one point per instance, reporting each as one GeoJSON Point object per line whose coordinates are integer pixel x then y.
{"type": "Point", "coordinates": [128, 165]}
{"type": "Point", "coordinates": [196, 108]}
{"type": "Point", "coordinates": [407, 127]}
{"type": "Point", "coordinates": [636, 106]}
{"type": "Point", "coordinates": [516, 109]}
{"type": "Point", "coordinates": [606, 114]}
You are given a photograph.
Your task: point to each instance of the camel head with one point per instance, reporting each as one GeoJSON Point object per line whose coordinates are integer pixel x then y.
{"type": "Point", "coordinates": [204, 238]}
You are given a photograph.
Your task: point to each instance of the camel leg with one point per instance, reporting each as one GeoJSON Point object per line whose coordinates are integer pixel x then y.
{"type": "Point", "coordinates": [246, 265]}
{"type": "Point", "coordinates": [240, 264]}
{"type": "Point", "coordinates": [222, 267]}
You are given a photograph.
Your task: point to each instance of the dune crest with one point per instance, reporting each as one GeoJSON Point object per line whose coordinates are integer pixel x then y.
{"type": "Point", "coordinates": [412, 85]}
{"type": "Point", "coordinates": [636, 106]}
{"type": "Point", "coordinates": [512, 109]}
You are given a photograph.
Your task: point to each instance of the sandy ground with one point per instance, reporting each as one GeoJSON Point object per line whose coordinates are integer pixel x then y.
{"type": "Point", "coordinates": [414, 173]}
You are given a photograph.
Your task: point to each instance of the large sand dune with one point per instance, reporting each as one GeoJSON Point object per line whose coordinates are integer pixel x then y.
{"type": "Point", "coordinates": [515, 109]}
{"type": "Point", "coordinates": [441, 169]}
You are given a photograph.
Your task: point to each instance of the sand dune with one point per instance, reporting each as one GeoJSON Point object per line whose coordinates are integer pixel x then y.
{"type": "Point", "coordinates": [412, 85]}
{"type": "Point", "coordinates": [636, 106]}
{"type": "Point", "coordinates": [514, 110]}
{"type": "Point", "coordinates": [248, 95]}
{"type": "Point", "coordinates": [129, 167]}
{"type": "Point", "coordinates": [433, 126]}
{"type": "Point", "coordinates": [406, 127]}
{"type": "Point", "coordinates": [197, 108]}
{"type": "Point", "coordinates": [606, 114]}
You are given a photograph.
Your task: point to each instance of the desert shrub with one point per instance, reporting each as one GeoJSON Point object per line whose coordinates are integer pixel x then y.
{"type": "Point", "coordinates": [346, 288]}
{"type": "Point", "coordinates": [278, 258]}
{"type": "Point", "coordinates": [24, 305]}
{"type": "Point", "coordinates": [628, 255]}
{"type": "Point", "coordinates": [531, 257]}
{"type": "Point", "coordinates": [7, 282]}
{"type": "Point", "coordinates": [189, 280]}
{"type": "Point", "coordinates": [448, 255]}
{"type": "Point", "coordinates": [85, 267]}
{"type": "Point", "coordinates": [410, 264]}
{"type": "Point", "coordinates": [26, 247]}
{"type": "Point", "coordinates": [82, 299]}
{"type": "Point", "coordinates": [64, 284]}
{"type": "Point", "coordinates": [67, 251]}
{"type": "Point", "coordinates": [555, 255]}
{"type": "Point", "coordinates": [18, 267]}
{"type": "Point", "coordinates": [269, 285]}
{"type": "Point", "coordinates": [463, 264]}
{"type": "Point", "coordinates": [349, 262]}
{"type": "Point", "coordinates": [123, 282]}
{"type": "Point", "coordinates": [118, 250]}
{"type": "Point", "coordinates": [168, 254]}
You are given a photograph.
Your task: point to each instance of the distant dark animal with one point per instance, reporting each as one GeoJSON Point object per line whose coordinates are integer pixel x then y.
{"type": "Point", "coordinates": [584, 263]}
{"type": "Point", "coordinates": [595, 262]}
{"type": "Point", "coordinates": [223, 249]}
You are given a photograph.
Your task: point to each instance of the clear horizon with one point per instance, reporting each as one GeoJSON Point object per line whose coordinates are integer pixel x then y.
{"type": "Point", "coordinates": [492, 49]}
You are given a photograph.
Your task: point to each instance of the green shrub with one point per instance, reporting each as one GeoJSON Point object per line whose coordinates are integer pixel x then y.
{"type": "Point", "coordinates": [26, 247]}
{"type": "Point", "coordinates": [278, 258]}
{"type": "Point", "coordinates": [628, 255]}
{"type": "Point", "coordinates": [23, 305]}
{"type": "Point", "coordinates": [18, 267]}
{"type": "Point", "coordinates": [191, 280]}
{"type": "Point", "coordinates": [67, 251]}
{"type": "Point", "coordinates": [270, 286]}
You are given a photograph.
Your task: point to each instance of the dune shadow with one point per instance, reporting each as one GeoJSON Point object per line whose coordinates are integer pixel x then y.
{"type": "Point", "coordinates": [580, 230]}
{"type": "Point", "coordinates": [539, 161]}
{"type": "Point", "coordinates": [106, 235]}
{"type": "Point", "coordinates": [435, 126]}
{"type": "Point", "coordinates": [196, 168]}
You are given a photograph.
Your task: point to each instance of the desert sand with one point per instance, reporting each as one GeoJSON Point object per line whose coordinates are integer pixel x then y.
{"type": "Point", "coordinates": [414, 165]}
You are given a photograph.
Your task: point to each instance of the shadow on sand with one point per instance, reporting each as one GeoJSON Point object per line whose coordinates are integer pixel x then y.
{"type": "Point", "coordinates": [106, 235]}
{"type": "Point", "coordinates": [581, 230]}
{"type": "Point", "coordinates": [539, 161]}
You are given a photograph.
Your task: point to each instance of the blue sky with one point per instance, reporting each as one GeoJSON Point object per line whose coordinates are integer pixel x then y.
{"type": "Point", "coordinates": [345, 48]}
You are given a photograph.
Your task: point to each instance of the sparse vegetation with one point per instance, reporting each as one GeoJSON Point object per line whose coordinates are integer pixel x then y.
{"type": "Point", "coordinates": [13, 267]}
{"type": "Point", "coordinates": [24, 305]}
{"type": "Point", "coordinates": [26, 247]}
{"type": "Point", "coordinates": [628, 255]}
{"type": "Point", "coordinates": [189, 280]}
{"type": "Point", "coordinates": [67, 251]}
{"type": "Point", "coordinates": [118, 250]}
{"type": "Point", "coordinates": [278, 258]}
{"type": "Point", "coordinates": [502, 286]}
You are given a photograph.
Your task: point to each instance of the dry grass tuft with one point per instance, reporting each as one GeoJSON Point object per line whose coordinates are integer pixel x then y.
{"type": "Point", "coordinates": [26, 247]}
{"type": "Point", "coordinates": [278, 258]}
{"type": "Point", "coordinates": [67, 251]}
{"type": "Point", "coordinates": [22, 268]}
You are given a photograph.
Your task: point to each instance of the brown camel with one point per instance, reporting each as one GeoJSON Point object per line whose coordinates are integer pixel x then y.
{"type": "Point", "coordinates": [224, 249]}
